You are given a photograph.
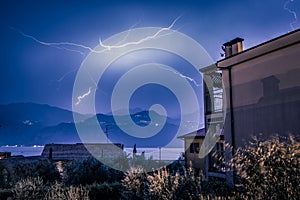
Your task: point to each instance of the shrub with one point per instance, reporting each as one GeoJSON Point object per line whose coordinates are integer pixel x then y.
{"type": "Point", "coordinates": [105, 191]}
{"type": "Point", "coordinates": [164, 185]}
{"type": "Point", "coordinates": [6, 193]}
{"type": "Point", "coordinates": [30, 188]}
{"type": "Point", "coordinates": [4, 176]}
{"type": "Point", "coordinates": [269, 169]}
{"type": "Point", "coordinates": [43, 169]}
{"type": "Point", "coordinates": [85, 172]}
{"type": "Point", "coordinates": [135, 184]}
{"type": "Point", "coordinates": [217, 186]}
{"type": "Point", "coordinates": [59, 191]}
{"type": "Point", "coordinates": [34, 188]}
{"type": "Point", "coordinates": [89, 171]}
{"type": "Point", "coordinates": [190, 185]}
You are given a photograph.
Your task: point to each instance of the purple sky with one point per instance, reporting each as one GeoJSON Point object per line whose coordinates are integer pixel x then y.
{"type": "Point", "coordinates": [34, 72]}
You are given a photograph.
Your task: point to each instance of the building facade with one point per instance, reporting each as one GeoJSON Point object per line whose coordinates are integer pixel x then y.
{"type": "Point", "coordinates": [80, 151]}
{"type": "Point", "coordinates": [192, 144]}
{"type": "Point", "coordinates": [262, 87]}
{"type": "Point", "coordinates": [251, 93]}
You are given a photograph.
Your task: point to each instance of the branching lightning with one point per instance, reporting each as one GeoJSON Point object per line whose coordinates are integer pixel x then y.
{"type": "Point", "coordinates": [128, 33]}
{"type": "Point", "coordinates": [291, 12]}
{"type": "Point", "coordinates": [58, 45]}
{"type": "Point", "coordinates": [80, 98]}
{"type": "Point", "coordinates": [182, 76]}
{"type": "Point", "coordinates": [68, 46]}
{"type": "Point", "coordinates": [65, 45]}
{"type": "Point", "coordinates": [59, 81]}
{"type": "Point", "coordinates": [150, 37]}
{"type": "Point", "coordinates": [63, 77]}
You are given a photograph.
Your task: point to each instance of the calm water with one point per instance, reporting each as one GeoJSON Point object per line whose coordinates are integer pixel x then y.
{"type": "Point", "coordinates": [156, 154]}
{"type": "Point", "coordinates": [163, 153]}
{"type": "Point", "coordinates": [25, 151]}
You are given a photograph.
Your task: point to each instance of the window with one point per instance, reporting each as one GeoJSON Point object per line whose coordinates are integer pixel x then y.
{"type": "Point", "coordinates": [194, 147]}
{"type": "Point", "coordinates": [213, 91]}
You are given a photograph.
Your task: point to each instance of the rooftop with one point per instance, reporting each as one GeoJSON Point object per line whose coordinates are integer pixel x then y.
{"type": "Point", "coordinates": [198, 133]}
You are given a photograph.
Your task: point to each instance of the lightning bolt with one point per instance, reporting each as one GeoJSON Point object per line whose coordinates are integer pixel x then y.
{"type": "Point", "coordinates": [182, 76]}
{"type": "Point", "coordinates": [64, 76]}
{"type": "Point", "coordinates": [58, 45]}
{"type": "Point", "coordinates": [67, 46]}
{"type": "Point", "coordinates": [291, 12]}
{"type": "Point", "coordinates": [150, 37]}
{"type": "Point", "coordinates": [128, 33]}
{"type": "Point", "coordinates": [80, 98]}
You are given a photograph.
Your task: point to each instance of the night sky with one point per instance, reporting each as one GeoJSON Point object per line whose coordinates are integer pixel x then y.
{"type": "Point", "coordinates": [35, 72]}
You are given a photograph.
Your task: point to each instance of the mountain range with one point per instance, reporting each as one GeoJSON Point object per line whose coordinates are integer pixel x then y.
{"type": "Point", "coordinates": [39, 124]}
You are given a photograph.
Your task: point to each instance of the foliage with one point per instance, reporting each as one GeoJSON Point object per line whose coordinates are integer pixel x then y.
{"type": "Point", "coordinates": [163, 185]}
{"type": "Point", "coordinates": [176, 167]}
{"type": "Point", "coordinates": [43, 168]}
{"type": "Point", "coordinates": [217, 186]}
{"type": "Point", "coordinates": [29, 188]}
{"type": "Point", "coordinates": [264, 170]}
{"type": "Point", "coordinates": [89, 171]}
{"type": "Point", "coordinates": [105, 191]}
{"type": "Point", "coordinates": [6, 193]}
{"type": "Point", "coordinates": [34, 188]}
{"type": "Point", "coordinates": [190, 185]}
{"type": "Point", "coordinates": [120, 162]}
{"type": "Point", "coordinates": [3, 184]}
{"type": "Point", "coordinates": [58, 191]}
{"type": "Point", "coordinates": [139, 161]}
{"type": "Point", "coordinates": [135, 184]}
{"type": "Point", "coordinates": [269, 169]}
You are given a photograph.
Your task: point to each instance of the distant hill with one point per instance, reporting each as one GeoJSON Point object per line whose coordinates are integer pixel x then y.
{"type": "Point", "coordinates": [21, 123]}
{"type": "Point", "coordinates": [39, 124]}
{"type": "Point", "coordinates": [32, 113]}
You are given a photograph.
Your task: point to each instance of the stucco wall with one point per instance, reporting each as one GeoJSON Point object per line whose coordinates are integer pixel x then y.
{"type": "Point", "coordinates": [265, 95]}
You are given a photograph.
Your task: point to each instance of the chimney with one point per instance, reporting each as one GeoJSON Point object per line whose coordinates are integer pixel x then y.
{"type": "Point", "coordinates": [233, 47]}
{"type": "Point", "coordinates": [227, 48]}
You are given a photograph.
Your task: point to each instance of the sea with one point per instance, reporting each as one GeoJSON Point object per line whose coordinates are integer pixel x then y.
{"type": "Point", "coordinates": [154, 153]}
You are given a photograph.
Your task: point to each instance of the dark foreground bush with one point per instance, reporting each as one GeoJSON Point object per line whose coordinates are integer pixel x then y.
{"type": "Point", "coordinates": [86, 172]}
{"type": "Point", "coordinates": [5, 193]}
{"type": "Point", "coordinates": [269, 169]}
{"type": "Point", "coordinates": [44, 169]}
{"type": "Point", "coordinates": [162, 185]}
{"type": "Point", "coordinates": [105, 191]}
{"type": "Point", "coordinates": [218, 187]}
{"type": "Point", "coordinates": [35, 188]}
{"type": "Point", "coordinates": [264, 170]}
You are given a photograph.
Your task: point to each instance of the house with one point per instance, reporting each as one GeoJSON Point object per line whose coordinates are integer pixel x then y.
{"type": "Point", "coordinates": [80, 151]}
{"type": "Point", "coordinates": [262, 88]}
{"type": "Point", "coordinates": [214, 121]}
{"type": "Point", "coordinates": [253, 92]}
{"type": "Point", "coordinates": [5, 155]}
{"type": "Point", "coordinates": [192, 145]}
